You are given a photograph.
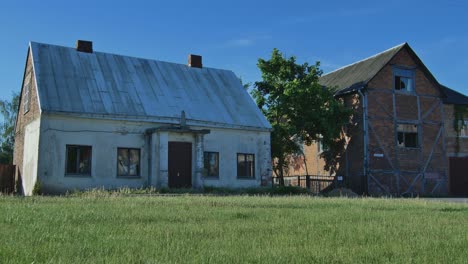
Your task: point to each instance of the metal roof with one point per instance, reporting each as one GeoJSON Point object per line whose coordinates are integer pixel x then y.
{"type": "Point", "coordinates": [126, 88]}
{"type": "Point", "coordinates": [355, 76]}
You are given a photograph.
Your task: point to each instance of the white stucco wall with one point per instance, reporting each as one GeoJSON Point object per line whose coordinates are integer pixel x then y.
{"type": "Point", "coordinates": [30, 156]}
{"type": "Point", "coordinates": [230, 142]}
{"type": "Point", "coordinates": [105, 136]}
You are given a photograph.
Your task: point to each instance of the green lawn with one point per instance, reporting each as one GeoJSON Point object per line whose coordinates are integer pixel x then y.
{"type": "Point", "coordinates": [234, 229]}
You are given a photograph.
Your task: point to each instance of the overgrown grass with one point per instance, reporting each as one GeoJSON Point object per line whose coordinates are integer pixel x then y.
{"type": "Point", "coordinates": [208, 190]}
{"type": "Point", "coordinates": [231, 229]}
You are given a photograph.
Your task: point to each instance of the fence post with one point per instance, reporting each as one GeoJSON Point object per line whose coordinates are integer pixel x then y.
{"type": "Point", "coordinates": [308, 182]}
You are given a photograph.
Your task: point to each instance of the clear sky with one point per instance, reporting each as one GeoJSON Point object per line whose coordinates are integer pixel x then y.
{"type": "Point", "coordinates": [234, 34]}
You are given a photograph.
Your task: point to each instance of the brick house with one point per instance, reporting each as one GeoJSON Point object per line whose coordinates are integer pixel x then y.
{"type": "Point", "coordinates": [91, 119]}
{"type": "Point", "coordinates": [401, 132]}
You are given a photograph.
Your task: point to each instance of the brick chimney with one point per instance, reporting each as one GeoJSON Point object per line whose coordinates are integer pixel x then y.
{"type": "Point", "coordinates": [195, 61]}
{"type": "Point", "coordinates": [84, 46]}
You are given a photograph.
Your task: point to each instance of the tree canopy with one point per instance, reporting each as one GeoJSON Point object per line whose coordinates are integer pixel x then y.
{"type": "Point", "coordinates": [9, 111]}
{"type": "Point", "coordinates": [299, 109]}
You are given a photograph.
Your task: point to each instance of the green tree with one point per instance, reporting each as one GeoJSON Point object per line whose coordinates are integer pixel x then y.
{"type": "Point", "coordinates": [299, 109]}
{"type": "Point", "coordinates": [9, 111]}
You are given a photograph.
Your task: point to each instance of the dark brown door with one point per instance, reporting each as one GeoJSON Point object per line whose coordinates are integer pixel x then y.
{"type": "Point", "coordinates": [180, 165]}
{"type": "Point", "coordinates": [459, 176]}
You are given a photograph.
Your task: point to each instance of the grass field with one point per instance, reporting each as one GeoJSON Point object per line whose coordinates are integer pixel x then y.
{"type": "Point", "coordinates": [233, 229]}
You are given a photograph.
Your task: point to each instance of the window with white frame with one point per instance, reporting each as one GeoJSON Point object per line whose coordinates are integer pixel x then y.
{"type": "Point", "coordinates": [403, 80]}
{"type": "Point", "coordinates": [407, 135]}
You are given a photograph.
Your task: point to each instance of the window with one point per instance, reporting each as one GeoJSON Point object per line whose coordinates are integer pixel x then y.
{"type": "Point", "coordinates": [321, 146]}
{"type": "Point", "coordinates": [27, 93]}
{"type": "Point", "coordinates": [407, 135]}
{"type": "Point", "coordinates": [128, 162]}
{"type": "Point", "coordinates": [245, 166]}
{"type": "Point", "coordinates": [404, 80]}
{"type": "Point", "coordinates": [463, 126]}
{"type": "Point", "coordinates": [78, 160]}
{"type": "Point", "coordinates": [211, 162]}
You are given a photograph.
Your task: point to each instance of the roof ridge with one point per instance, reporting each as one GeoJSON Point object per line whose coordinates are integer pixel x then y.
{"type": "Point", "coordinates": [128, 56]}
{"type": "Point", "coordinates": [368, 58]}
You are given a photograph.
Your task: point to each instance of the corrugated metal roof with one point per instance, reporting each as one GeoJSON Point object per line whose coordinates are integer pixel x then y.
{"type": "Point", "coordinates": [355, 76]}
{"type": "Point", "coordinates": [122, 87]}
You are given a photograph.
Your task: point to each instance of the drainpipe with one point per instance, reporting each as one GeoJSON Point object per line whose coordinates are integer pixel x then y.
{"type": "Point", "coordinates": [150, 170]}
{"type": "Point", "coordinates": [365, 138]}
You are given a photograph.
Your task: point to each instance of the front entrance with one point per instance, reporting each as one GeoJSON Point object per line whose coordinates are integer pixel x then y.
{"type": "Point", "coordinates": [180, 165]}
{"type": "Point", "coordinates": [459, 176]}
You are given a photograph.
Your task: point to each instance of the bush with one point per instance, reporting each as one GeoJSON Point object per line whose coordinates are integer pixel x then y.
{"type": "Point", "coordinates": [37, 189]}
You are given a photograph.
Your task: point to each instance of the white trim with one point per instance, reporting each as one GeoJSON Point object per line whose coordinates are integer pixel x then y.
{"type": "Point", "coordinates": [35, 79]}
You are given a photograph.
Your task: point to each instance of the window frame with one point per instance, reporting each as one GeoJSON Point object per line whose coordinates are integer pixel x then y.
{"type": "Point", "coordinates": [205, 175]}
{"type": "Point", "coordinates": [78, 174]}
{"type": "Point", "coordinates": [403, 72]}
{"type": "Point", "coordinates": [418, 145]}
{"type": "Point", "coordinates": [138, 175]}
{"type": "Point", "coordinates": [252, 177]}
{"type": "Point", "coordinates": [27, 94]}
{"type": "Point", "coordinates": [463, 129]}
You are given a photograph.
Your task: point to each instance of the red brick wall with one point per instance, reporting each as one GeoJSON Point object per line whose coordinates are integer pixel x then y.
{"type": "Point", "coordinates": [451, 136]}
{"type": "Point", "coordinates": [398, 168]}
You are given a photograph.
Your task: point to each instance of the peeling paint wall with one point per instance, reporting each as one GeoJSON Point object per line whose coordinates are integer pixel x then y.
{"type": "Point", "coordinates": [105, 136]}
{"type": "Point", "coordinates": [30, 156]}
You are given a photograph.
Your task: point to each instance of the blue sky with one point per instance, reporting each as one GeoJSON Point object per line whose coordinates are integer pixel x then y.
{"type": "Point", "coordinates": [233, 35]}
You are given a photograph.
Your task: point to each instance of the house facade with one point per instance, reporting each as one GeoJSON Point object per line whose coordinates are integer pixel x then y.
{"type": "Point", "coordinates": [90, 119]}
{"type": "Point", "coordinates": [399, 138]}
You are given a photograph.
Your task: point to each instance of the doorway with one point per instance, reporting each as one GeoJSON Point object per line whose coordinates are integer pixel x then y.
{"type": "Point", "coordinates": [180, 164]}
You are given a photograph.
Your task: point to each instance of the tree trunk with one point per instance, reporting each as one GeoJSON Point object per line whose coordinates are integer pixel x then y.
{"type": "Point", "coordinates": [281, 172]}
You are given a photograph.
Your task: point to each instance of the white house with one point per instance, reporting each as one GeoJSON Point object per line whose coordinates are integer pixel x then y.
{"type": "Point", "coordinates": [91, 119]}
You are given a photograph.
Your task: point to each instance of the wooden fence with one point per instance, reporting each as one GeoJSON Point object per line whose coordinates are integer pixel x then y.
{"type": "Point", "coordinates": [7, 178]}
{"type": "Point", "coordinates": [314, 183]}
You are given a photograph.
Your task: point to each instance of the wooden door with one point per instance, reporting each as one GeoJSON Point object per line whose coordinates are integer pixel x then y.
{"type": "Point", "coordinates": [459, 176]}
{"type": "Point", "coordinates": [180, 165]}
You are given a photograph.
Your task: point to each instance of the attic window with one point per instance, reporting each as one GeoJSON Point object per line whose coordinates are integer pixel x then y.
{"type": "Point", "coordinates": [407, 135]}
{"type": "Point", "coordinates": [403, 80]}
{"type": "Point", "coordinates": [27, 93]}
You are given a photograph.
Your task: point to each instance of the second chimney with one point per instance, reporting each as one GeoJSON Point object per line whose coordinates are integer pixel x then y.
{"type": "Point", "coordinates": [195, 61]}
{"type": "Point", "coordinates": [84, 46]}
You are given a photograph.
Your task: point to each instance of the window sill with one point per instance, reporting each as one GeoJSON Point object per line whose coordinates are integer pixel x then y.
{"type": "Point", "coordinates": [128, 177]}
{"type": "Point", "coordinates": [245, 178]}
{"type": "Point", "coordinates": [78, 175]}
{"type": "Point", "coordinates": [410, 148]}
{"type": "Point", "coordinates": [405, 92]}
{"type": "Point", "coordinates": [211, 177]}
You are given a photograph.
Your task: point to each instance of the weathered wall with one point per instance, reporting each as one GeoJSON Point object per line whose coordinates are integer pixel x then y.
{"type": "Point", "coordinates": [230, 142]}
{"type": "Point", "coordinates": [23, 118]}
{"type": "Point", "coordinates": [30, 156]}
{"type": "Point", "coordinates": [398, 170]}
{"type": "Point", "coordinates": [106, 136]}
{"type": "Point", "coordinates": [456, 147]}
